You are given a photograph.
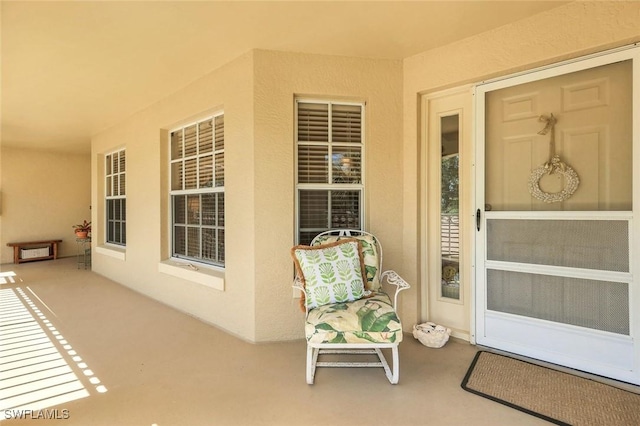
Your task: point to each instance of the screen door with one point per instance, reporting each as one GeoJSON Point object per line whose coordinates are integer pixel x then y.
{"type": "Point", "coordinates": [555, 210]}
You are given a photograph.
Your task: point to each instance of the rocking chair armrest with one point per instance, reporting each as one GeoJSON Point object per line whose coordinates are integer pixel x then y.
{"type": "Point", "coordinates": [393, 278]}
{"type": "Point", "coordinates": [298, 284]}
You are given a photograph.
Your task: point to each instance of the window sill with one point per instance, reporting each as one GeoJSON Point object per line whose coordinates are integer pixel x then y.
{"type": "Point", "coordinates": [207, 277]}
{"type": "Point", "coordinates": [112, 251]}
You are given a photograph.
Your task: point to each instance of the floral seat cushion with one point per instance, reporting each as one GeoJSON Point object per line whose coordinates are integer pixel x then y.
{"type": "Point", "coordinates": [368, 320]}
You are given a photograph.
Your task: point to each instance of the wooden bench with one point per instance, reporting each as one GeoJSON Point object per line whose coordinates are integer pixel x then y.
{"type": "Point", "coordinates": [52, 245]}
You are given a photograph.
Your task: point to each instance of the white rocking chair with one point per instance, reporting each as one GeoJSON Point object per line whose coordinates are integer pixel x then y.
{"type": "Point", "coordinates": [331, 329]}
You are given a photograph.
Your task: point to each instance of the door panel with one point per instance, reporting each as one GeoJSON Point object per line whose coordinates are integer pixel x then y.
{"type": "Point", "coordinates": [593, 135]}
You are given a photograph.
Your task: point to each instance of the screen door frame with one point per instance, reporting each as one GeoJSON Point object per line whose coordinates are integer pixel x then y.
{"type": "Point", "coordinates": [590, 347]}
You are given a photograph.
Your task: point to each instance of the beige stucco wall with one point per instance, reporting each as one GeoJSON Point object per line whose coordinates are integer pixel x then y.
{"type": "Point", "coordinates": [257, 94]}
{"type": "Point", "coordinates": [279, 77]}
{"type": "Point", "coordinates": [43, 194]}
{"type": "Point", "coordinates": [566, 32]}
{"type": "Point", "coordinates": [229, 88]}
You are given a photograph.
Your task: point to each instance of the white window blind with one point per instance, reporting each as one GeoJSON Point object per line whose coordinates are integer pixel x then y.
{"type": "Point", "coordinates": [197, 191]}
{"type": "Point", "coordinates": [116, 201]}
{"type": "Point", "coordinates": [329, 143]}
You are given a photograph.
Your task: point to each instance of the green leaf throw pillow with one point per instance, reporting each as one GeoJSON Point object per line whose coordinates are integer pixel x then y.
{"type": "Point", "coordinates": [369, 255]}
{"type": "Point", "coordinates": [331, 273]}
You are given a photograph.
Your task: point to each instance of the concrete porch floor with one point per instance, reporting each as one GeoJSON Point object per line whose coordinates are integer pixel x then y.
{"type": "Point", "coordinates": [162, 367]}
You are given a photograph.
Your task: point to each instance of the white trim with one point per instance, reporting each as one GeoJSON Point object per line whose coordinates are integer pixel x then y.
{"type": "Point", "coordinates": [199, 191]}
{"type": "Point", "coordinates": [568, 62]}
{"type": "Point", "coordinates": [553, 337]}
{"type": "Point", "coordinates": [560, 271]}
{"type": "Point", "coordinates": [330, 186]}
{"type": "Point", "coordinates": [116, 252]}
{"type": "Point", "coordinates": [212, 278]}
{"type": "Point", "coordinates": [559, 215]}
{"type": "Point", "coordinates": [107, 198]}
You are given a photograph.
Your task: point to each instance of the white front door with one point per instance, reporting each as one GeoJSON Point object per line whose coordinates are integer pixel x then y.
{"type": "Point", "coordinates": [555, 277]}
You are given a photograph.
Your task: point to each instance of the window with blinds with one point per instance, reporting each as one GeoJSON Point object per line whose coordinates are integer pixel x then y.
{"type": "Point", "coordinates": [197, 191]}
{"type": "Point", "coordinates": [329, 152]}
{"type": "Point", "coordinates": [116, 201]}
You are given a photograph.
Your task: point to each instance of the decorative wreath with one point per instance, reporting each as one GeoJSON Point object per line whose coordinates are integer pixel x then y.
{"type": "Point", "coordinates": [554, 166]}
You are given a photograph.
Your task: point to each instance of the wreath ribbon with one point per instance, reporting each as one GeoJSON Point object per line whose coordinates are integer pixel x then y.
{"type": "Point", "coordinates": [554, 165]}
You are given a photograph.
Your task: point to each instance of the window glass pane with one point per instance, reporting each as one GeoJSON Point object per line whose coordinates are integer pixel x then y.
{"type": "Point", "coordinates": [314, 207]}
{"type": "Point", "coordinates": [313, 122]}
{"type": "Point", "coordinates": [205, 130]}
{"type": "Point", "coordinates": [219, 142]}
{"type": "Point", "coordinates": [313, 164]}
{"type": "Point", "coordinates": [122, 184]}
{"type": "Point", "coordinates": [122, 162]}
{"type": "Point", "coordinates": [176, 145]}
{"type": "Point", "coordinates": [346, 123]}
{"type": "Point", "coordinates": [124, 208]}
{"type": "Point", "coordinates": [209, 244]}
{"type": "Point", "coordinates": [190, 141]}
{"type": "Point", "coordinates": [206, 172]}
{"type": "Point", "coordinates": [449, 200]}
{"type": "Point", "coordinates": [220, 198]}
{"type": "Point", "coordinates": [109, 186]}
{"type": "Point", "coordinates": [110, 231]}
{"type": "Point", "coordinates": [179, 240]}
{"type": "Point", "coordinates": [193, 209]}
{"type": "Point", "coordinates": [176, 176]}
{"type": "Point", "coordinates": [221, 252]}
{"type": "Point", "coordinates": [179, 209]}
{"type": "Point", "coordinates": [220, 169]}
{"type": "Point", "coordinates": [116, 210]}
{"type": "Point", "coordinates": [190, 174]}
{"type": "Point", "coordinates": [108, 164]}
{"type": "Point", "coordinates": [193, 241]}
{"type": "Point", "coordinates": [117, 236]}
{"type": "Point", "coordinates": [347, 165]}
{"type": "Point", "coordinates": [345, 209]}
{"type": "Point", "coordinates": [209, 209]}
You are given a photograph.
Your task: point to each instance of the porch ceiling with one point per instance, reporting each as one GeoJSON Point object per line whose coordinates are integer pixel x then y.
{"type": "Point", "coordinates": [71, 68]}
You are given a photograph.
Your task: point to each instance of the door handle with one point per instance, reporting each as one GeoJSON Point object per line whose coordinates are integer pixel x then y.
{"type": "Point", "coordinates": [478, 219]}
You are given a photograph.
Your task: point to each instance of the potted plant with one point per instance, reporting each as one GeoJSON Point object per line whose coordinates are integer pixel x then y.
{"type": "Point", "coordinates": [83, 229]}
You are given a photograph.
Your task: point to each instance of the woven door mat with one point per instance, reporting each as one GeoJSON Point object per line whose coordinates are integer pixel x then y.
{"type": "Point", "coordinates": [552, 395]}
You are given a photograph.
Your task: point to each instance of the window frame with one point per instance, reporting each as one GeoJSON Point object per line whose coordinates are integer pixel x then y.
{"type": "Point", "coordinates": [115, 191]}
{"type": "Point", "coordinates": [329, 186]}
{"type": "Point", "coordinates": [188, 193]}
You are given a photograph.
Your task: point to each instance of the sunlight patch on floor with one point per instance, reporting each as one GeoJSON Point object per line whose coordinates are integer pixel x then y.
{"type": "Point", "coordinates": [34, 373]}
{"type": "Point", "coordinates": [7, 277]}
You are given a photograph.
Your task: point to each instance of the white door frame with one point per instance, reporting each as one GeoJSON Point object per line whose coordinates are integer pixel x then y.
{"type": "Point", "coordinates": [591, 61]}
